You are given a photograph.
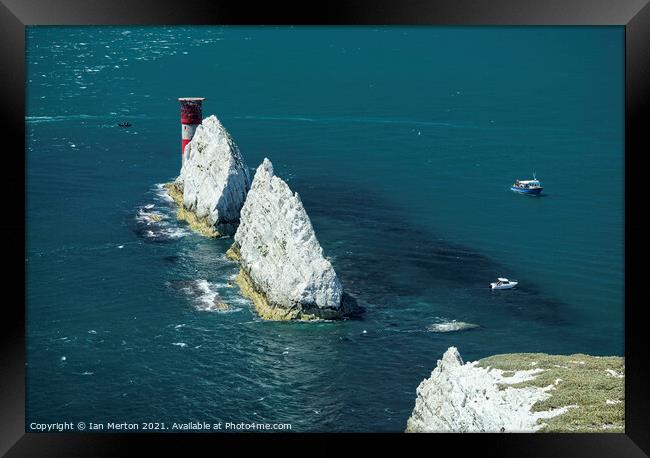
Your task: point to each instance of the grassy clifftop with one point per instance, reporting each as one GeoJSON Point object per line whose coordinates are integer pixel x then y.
{"type": "Point", "coordinates": [594, 387]}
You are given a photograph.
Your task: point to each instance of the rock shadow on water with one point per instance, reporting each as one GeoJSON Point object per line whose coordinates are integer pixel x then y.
{"type": "Point", "coordinates": [390, 257]}
{"type": "Point", "coordinates": [172, 259]}
{"type": "Point", "coordinates": [355, 310]}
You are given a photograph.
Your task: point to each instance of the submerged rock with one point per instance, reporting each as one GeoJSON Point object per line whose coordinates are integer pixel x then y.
{"type": "Point", "coordinates": [522, 392]}
{"type": "Point", "coordinates": [214, 180]}
{"type": "Point", "coordinates": [283, 269]}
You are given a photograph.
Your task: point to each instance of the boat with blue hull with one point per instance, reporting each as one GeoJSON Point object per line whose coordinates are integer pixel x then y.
{"type": "Point", "coordinates": [530, 187]}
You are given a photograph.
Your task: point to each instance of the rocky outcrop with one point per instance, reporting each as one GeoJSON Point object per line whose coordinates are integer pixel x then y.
{"type": "Point", "coordinates": [283, 269]}
{"type": "Point", "coordinates": [521, 393]}
{"type": "Point", "coordinates": [214, 180]}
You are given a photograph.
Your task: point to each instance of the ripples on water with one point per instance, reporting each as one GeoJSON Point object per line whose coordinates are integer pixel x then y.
{"type": "Point", "coordinates": [233, 366]}
{"type": "Point", "coordinates": [123, 316]}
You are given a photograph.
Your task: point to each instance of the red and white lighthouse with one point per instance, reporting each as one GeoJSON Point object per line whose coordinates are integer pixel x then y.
{"type": "Point", "coordinates": [191, 117]}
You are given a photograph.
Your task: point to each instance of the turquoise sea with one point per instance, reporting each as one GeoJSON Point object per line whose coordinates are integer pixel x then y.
{"type": "Point", "coordinates": [402, 143]}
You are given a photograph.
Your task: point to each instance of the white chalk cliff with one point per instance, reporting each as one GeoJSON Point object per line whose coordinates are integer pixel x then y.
{"type": "Point", "coordinates": [282, 264]}
{"type": "Point", "coordinates": [214, 179]}
{"type": "Point", "coordinates": [465, 398]}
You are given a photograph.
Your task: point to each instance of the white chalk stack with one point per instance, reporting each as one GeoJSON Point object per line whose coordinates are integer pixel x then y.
{"type": "Point", "coordinates": [214, 178]}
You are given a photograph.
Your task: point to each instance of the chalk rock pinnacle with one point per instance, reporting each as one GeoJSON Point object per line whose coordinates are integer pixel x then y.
{"type": "Point", "coordinates": [214, 179]}
{"type": "Point", "coordinates": [465, 398]}
{"type": "Point", "coordinates": [282, 264]}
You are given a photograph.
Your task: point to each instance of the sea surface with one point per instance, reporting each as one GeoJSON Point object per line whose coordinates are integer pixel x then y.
{"type": "Point", "coordinates": [402, 143]}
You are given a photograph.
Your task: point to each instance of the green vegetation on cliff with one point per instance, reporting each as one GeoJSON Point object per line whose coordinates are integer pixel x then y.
{"type": "Point", "coordinates": [593, 385]}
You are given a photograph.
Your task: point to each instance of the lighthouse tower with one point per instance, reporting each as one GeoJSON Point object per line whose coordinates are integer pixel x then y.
{"type": "Point", "coordinates": [191, 117]}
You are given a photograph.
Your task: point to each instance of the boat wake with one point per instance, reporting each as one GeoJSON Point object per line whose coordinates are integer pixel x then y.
{"type": "Point", "coordinates": [347, 120]}
{"type": "Point", "coordinates": [451, 326]}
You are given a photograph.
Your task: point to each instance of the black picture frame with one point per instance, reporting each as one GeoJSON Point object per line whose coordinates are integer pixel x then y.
{"type": "Point", "coordinates": [15, 15]}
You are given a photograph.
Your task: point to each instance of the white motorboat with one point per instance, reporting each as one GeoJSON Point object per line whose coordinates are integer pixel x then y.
{"type": "Point", "coordinates": [531, 187]}
{"type": "Point", "coordinates": [503, 283]}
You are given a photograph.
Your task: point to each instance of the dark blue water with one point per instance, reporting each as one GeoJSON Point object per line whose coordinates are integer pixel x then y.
{"type": "Point", "coordinates": [402, 143]}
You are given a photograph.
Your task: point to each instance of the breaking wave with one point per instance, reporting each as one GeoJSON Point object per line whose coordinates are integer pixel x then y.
{"type": "Point", "coordinates": [156, 221]}
{"type": "Point", "coordinates": [148, 216]}
{"type": "Point", "coordinates": [161, 193]}
{"type": "Point", "coordinates": [205, 296]}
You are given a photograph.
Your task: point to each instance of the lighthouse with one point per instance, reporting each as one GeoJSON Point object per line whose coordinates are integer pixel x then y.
{"type": "Point", "coordinates": [191, 117]}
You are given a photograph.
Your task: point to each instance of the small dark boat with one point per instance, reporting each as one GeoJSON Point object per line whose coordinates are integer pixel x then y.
{"type": "Point", "coordinates": [124, 124]}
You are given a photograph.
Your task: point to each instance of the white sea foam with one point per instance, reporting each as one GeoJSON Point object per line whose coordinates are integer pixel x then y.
{"type": "Point", "coordinates": [149, 217]}
{"type": "Point", "coordinates": [175, 232]}
{"type": "Point", "coordinates": [158, 223]}
{"type": "Point", "coordinates": [161, 192]}
{"type": "Point", "coordinates": [207, 298]}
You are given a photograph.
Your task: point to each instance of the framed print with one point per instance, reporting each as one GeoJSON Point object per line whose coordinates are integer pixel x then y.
{"type": "Point", "coordinates": [373, 223]}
